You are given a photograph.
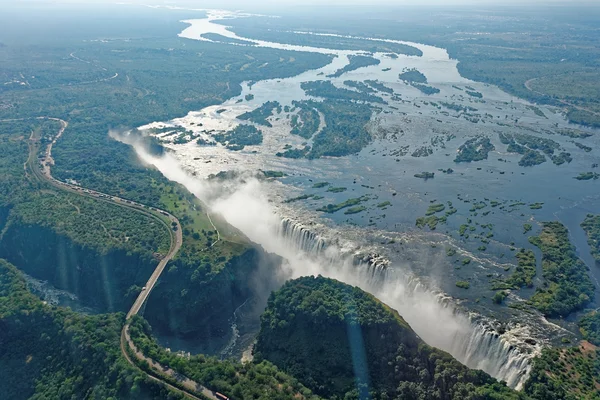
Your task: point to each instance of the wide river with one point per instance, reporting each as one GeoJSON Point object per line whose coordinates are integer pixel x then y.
{"type": "Point", "coordinates": [384, 171]}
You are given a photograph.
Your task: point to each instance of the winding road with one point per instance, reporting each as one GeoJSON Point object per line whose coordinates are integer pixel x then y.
{"type": "Point", "coordinates": [185, 386]}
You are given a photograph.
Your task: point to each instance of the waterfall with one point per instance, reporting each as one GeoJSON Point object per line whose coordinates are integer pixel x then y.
{"type": "Point", "coordinates": [485, 349]}
{"type": "Point", "coordinates": [301, 237]}
{"type": "Point", "coordinates": [433, 316]}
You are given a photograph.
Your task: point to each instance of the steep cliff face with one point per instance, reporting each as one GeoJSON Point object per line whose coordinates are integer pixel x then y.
{"type": "Point", "coordinates": [202, 310]}
{"type": "Point", "coordinates": [340, 341]}
{"type": "Point", "coordinates": [100, 280]}
{"type": "Point", "coordinates": [51, 352]}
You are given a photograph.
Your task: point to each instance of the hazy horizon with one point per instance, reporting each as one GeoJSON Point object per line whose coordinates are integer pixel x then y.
{"type": "Point", "coordinates": [312, 3]}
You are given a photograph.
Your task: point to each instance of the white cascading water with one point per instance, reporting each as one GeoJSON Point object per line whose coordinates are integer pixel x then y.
{"type": "Point", "coordinates": [432, 316]}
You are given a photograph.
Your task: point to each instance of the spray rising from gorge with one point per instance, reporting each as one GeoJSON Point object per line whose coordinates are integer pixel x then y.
{"type": "Point", "coordinates": [250, 204]}
{"type": "Point", "coordinates": [244, 204]}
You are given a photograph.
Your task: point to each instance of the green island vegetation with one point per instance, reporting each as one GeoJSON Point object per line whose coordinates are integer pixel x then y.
{"type": "Point", "coordinates": [475, 149]}
{"type": "Point", "coordinates": [458, 107]}
{"type": "Point", "coordinates": [571, 373]}
{"type": "Point", "coordinates": [431, 220]}
{"type": "Point", "coordinates": [417, 80]}
{"type": "Point", "coordinates": [572, 133]}
{"type": "Point", "coordinates": [536, 110]}
{"type": "Point", "coordinates": [531, 158]}
{"type": "Point", "coordinates": [337, 189]}
{"type": "Point", "coordinates": [51, 352]}
{"type": "Point", "coordinates": [356, 62]}
{"type": "Point", "coordinates": [306, 122]}
{"type": "Point", "coordinates": [561, 158]}
{"type": "Point", "coordinates": [425, 175]}
{"type": "Point", "coordinates": [527, 145]}
{"type": "Point", "coordinates": [273, 174]}
{"type": "Point", "coordinates": [475, 94]}
{"type": "Point", "coordinates": [260, 115]}
{"type": "Point", "coordinates": [567, 286]}
{"type": "Point", "coordinates": [463, 284]}
{"type": "Point", "coordinates": [423, 151]}
{"type": "Point", "coordinates": [379, 86]}
{"type": "Point", "coordinates": [360, 86]}
{"type": "Point", "coordinates": [558, 71]}
{"type": "Point", "coordinates": [425, 89]}
{"type": "Point", "coordinates": [281, 34]}
{"type": "Point", "coordinates": [435, 208]}
{"type": "Point", "coordinates": [355, 210]}
{"type": "Point", "coordinates": [523, 274]}
{"type": "Point", "coordinates": [527, 228]}
{"type": "Point", "coordinates": [250, 380]}
{"type": "Point", "coordinates": [587, 176]}
{"type": "Point", "coordinates": [548, 146]}
{"type": "Point", "coordinates": [249, 97]}
{"type": "Point", "coordinates": [294, 153]}
{"type": "Point", "coordinates": [591, 226]}
{"type": "Point", "coordinates": [479, 205]}
{"type": "Point", "coordinates": [240, 136]}
{"type": "Point", "coordinates": [589, 325]}
{"type": "Point", "coordinates": [536, 206]}
{"type": "Point", "coordinates": [345, 129]}
{"type": "Point", "coordinates": [320, 185]}
{"type": "Point", "coordinates": [332, 208]}
{"type": "Point", "coordinates": [583, 147]}
{"type": "Point", "coordinates": [499, 297]}
{"type": "Point", "coordinates": [401, 366]}
{"type": "Point", "coordinates": [328, 90]}
{"type": "Point", "coordinates": [215, 37]}
{"type": "Point", "coordinates": [384, 204]}
{"type": "Point", "coordinates": [298, 198]}
{"type": "Point", "coordinates": [525, 271]}
{"type": "Point", "coordinates": [412, 76]}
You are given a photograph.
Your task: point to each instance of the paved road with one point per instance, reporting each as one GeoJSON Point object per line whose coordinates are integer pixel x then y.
{"type": "Point", "coordinates": [45, 174]}
{"type": "Point", "coordinates": [189, 385]}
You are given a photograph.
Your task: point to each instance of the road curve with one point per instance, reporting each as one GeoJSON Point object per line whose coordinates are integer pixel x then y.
{"type": "Point", "coordinates": [190, 387]}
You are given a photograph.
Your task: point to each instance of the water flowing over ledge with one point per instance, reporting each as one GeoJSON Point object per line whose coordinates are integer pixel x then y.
{"type": "Point", "coordinates": [504, 352]}
{"type": "Point", "coordinates": [470, 338]}
{"type": "Point", "coordinates": [432, 315]}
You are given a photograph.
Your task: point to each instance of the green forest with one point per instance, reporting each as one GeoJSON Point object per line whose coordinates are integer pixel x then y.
{"type": "Point", "coordinates": [103, 252]}
{"type": "Point", "coordinates": [567, 285]}
{"type": "Point", "coordinates": [328, 335]}
{"type": "Point", "coordinates": [50, 352]}
{"type": "Point", "coordinates": [251, 380]}
{"type": "Point", "coordinates": [591, 226]}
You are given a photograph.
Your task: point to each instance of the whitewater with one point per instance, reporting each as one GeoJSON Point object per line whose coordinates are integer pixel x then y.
{"type": "Point", "coordinates": [248, 206]}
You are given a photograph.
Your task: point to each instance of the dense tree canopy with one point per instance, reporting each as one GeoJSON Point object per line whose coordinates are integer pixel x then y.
{"type": "Point", "coordinates": [343, 343]}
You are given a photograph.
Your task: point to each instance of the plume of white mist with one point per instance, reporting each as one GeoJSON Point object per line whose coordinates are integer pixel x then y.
{"type": "Point", "coordinates": [246, 207]}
